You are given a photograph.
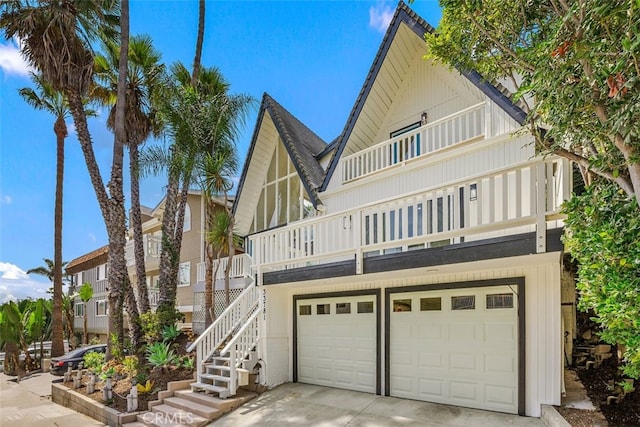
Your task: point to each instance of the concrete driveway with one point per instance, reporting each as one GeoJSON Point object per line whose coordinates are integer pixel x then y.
{"type": "Point", "coordinates": [295, 404]}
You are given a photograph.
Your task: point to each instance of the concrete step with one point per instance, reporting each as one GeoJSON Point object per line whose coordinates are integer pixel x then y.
{"type": "Point", "coordinates": [225, 405]}
{"type": "Point", "coordinates": [204, 411]}
{"type": "Point", "coordinates": [166, 416]}
{"type": "Point", "coordinates": [134, 424]}
{"type": "Point", "coordinates": [223, 392]}
{"type": "Point", "coordinates": [215, 377]}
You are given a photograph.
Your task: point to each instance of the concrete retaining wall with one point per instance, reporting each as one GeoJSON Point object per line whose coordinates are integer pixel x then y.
{"type": "Point", "coordinates": [67, 397]}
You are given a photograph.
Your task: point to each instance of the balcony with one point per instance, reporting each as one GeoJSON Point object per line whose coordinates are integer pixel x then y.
{"type": "Point", "coordinates": [465, 125]}
{"type": "Point", "coordinates": [240, 267]}
{"type": "Point", "coordinates": [152, 248]}
{"type": "Point", "coordinates": [518, 199]}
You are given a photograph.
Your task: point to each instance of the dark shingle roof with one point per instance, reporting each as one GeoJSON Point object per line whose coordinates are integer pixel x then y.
{"type": "Point", "coordinates": [419, 26]}
{"type": "Point", "coordinates": [302, 144]}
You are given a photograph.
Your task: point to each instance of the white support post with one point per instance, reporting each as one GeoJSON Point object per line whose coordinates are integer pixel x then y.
{"type": "Point", "coordinates": [541, 222]}
{"type": "Point", "coordinates": [358, 233]}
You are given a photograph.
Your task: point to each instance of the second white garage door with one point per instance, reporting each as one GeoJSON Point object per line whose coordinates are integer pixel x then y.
{"type": "Point", "coordinates": [458, 347]}
{"type": "Point", "coordinates": [336, 342]}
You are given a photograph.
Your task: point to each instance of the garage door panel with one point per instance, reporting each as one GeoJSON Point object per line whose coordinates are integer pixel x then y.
{"type": "Point", "coordinates": [499, 395]}
{"type": "Point", "coordinates": [457, 350]}
{"type": "Point", "coordinates": [338, 349]}
{"type": "Point", "coordinates": [430, 360]}
{"type": "Point", "coordinates": [462, 361]}
{"type": "Point", "coordinates": [432, 388]}
{"type": "Point", "coordinates": [499, 364]}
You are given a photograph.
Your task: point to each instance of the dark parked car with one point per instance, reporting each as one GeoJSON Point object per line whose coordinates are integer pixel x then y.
{"type": "Point", "coordinates": [73, 358]}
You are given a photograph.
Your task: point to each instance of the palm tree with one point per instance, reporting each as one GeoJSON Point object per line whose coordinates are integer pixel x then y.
{"type": "Point", "coordinates": [198, 119]}
{"type": "Point", "coordinates": [57, 39]}
{"type": "Point", "coordinates": [144, 76]}
{"type": "Point", "coordinates": [85, 293]}
{"type": "Point", "coordinates": [44, 97]}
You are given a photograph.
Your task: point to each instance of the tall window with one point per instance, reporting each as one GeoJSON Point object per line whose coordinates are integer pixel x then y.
{"type": "Point", "coordinates": [101, 307]}
{"type": "Point", "coordinates": [184, 274]}
{"type": "Point", "coordinates": [283, 198]}
{"type": "Point", "coordinates": [186, 226]}
{"type": "Point", "coordinates": [79, 309]}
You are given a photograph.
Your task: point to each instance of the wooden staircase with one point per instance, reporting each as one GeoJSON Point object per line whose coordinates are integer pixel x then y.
{"type": "Point", "coordinates": [226, 352]}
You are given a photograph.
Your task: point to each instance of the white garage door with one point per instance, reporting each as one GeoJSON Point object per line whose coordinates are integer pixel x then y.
{"type": "Point", "coordinates": [458, 347]}
{"type": "Point", "coordinates": [337, 342]}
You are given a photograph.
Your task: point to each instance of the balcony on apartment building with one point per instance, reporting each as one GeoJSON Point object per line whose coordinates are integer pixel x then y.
{"type": "Point", "coordinates": [152, 247]}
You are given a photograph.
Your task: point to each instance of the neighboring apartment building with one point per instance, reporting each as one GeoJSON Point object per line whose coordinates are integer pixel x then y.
{"type": "Point", "coordinates": [417, 255]}
{"type": "Point", "coordinates": [189, 296]}
{"type": "Point", "coordinates": [91, 268]}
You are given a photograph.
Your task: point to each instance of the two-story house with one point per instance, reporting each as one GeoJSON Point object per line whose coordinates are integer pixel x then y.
{"type": "Point", "coordinates": [417, 255]}
{"type": "Point", "coordinates": [91, 268]}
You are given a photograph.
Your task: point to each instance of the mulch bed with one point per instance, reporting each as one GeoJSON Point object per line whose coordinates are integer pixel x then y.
{"type": "Point", "coordinates": [622, 414]}
{"type": "Point", "coordinates": [121, 388]}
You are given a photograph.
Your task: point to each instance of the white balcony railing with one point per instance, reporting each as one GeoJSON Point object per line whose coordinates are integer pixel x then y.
{"type": "Point", "coordinates": [240, 267]}
{"type": "Point", "coordinates": [462, 126]}
{"type": "Point", "coordinates": [524, 195]}
{"type": "Point", "coordinates": [100, 286]}
{"type": "Point", "coordinates": [152, 249]}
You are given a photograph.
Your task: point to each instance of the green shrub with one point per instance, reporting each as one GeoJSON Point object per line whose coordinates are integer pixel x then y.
{"type": "Point", "coordinates": [130, 364]}
{"type": "Point", "coordinates": [93, 361]}
{"type": "Point", "coordinates": [160, 354]}
{"type": "Point", "coordinates": [150, 325]}
{"type": "Point", "coordinates": [170, 332]}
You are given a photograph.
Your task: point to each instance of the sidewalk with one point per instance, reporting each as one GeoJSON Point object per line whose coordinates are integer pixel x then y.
{"type": "Point", "coordinates": [29, 404]}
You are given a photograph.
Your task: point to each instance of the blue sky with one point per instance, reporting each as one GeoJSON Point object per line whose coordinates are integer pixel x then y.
{"type": "Point", "coordinates": [311, 56]}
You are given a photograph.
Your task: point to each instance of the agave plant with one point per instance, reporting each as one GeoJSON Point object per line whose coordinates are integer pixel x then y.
{"type": "Point", "coordinates": [160, 354]}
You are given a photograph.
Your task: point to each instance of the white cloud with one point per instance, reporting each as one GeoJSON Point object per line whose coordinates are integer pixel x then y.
{"type": "Point", "coordinates": [11, 61]}
{"type": "Point", "coordinates": [380, 16]}
{"type": "Point", "coordinates": [15, 284]}
{"type": "Point", "coordinates": [71, 128]}
{"type": "Point", "coordinates": [6, 199]}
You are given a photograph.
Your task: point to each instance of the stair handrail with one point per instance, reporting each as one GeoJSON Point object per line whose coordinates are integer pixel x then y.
{"type": "Point", "coordinates": [246, 338]}
{"type": "Point", "coordinates": [233, 316]}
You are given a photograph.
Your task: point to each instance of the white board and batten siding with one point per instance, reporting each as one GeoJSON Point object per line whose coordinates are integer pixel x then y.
{"type": "Point", "coordinates": [543, 348]}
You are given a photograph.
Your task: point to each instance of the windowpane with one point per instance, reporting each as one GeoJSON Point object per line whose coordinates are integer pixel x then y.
{"type": "Point", "coordinates": [305, 310]}
{"type": "Point", "coordinates": [431, 304]}
{"type": "Point", "coordinates": [343, 308]}
{"type": "Point", "coordinates": [323, 309]}
{"type": "Point", "coordinates": [467, 302]}
{"type": "Point", "coordinates": [401, 305]}
{"type": "Point", "coordinates": [365, 307]}
{"type": "Point", "coordinates": [499, 301]}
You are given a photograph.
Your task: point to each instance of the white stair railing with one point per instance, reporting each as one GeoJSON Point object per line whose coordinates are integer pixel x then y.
{"type": "Point", "coordinates": [239, 348]}
{"type": "Point", "coordinates": [232, 318]}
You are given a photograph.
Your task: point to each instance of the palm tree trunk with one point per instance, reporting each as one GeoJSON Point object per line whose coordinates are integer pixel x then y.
{"type": "Point", "coordinates": [116, 220]}
{"type": "Point", "coordinates": [135, 329]}
{"type": "Point", "coordinates": [199, 42]}
{"type": "Point", "coordinates": [57, 338]}
{"type": "Point", "coordinates": [136, 225]}
{"type": "Point", "coordinates": [209, 304]}
{"type": "Point", "coordinates": [168, 256]}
